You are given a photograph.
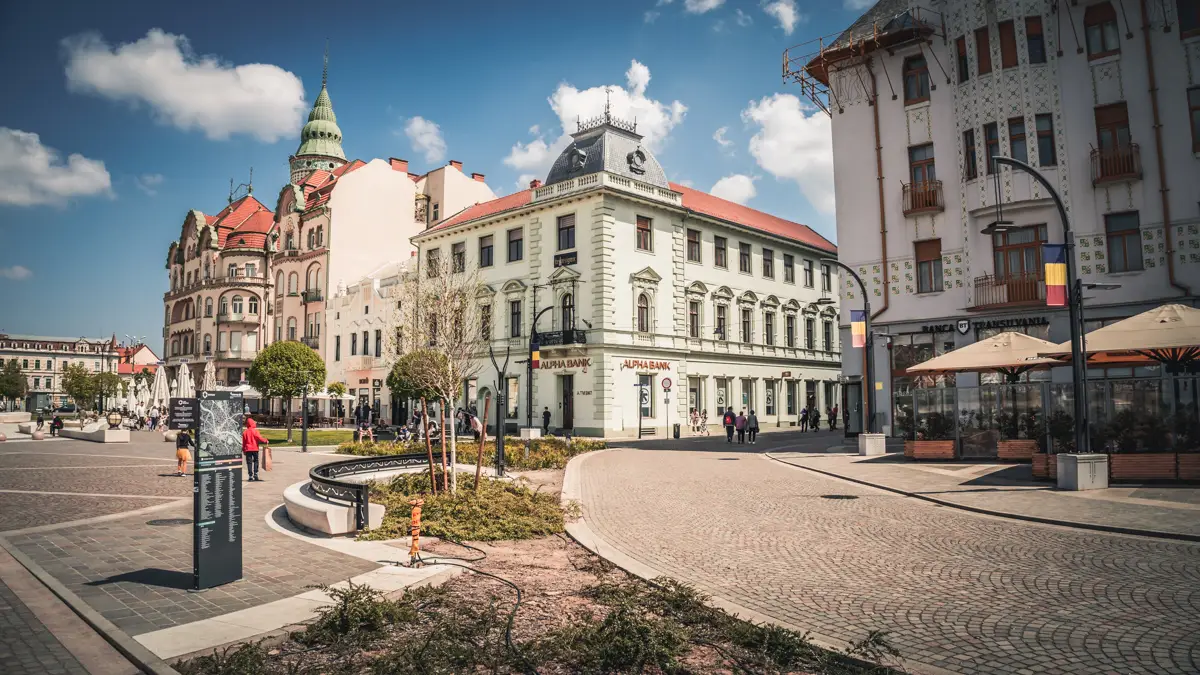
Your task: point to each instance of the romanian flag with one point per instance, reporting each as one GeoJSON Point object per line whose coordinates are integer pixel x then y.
{"type": "Point", "coordinates": [858, 328]}
{"type": "Point", "coordinates": [1055, 256]}
{"type": "Point", "coordinates": [536, 356]}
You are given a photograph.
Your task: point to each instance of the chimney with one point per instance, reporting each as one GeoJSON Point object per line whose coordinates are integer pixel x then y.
{"type": "Point", "coordinates": [414, 176]}
{"type": "Point", "coordinates": [477, 176]}
{"type": "Point", "coordinates": [412, 254]}
{"type": "Point", "coordinates": [535, 183]}
{"type": "Point", "coordinates": [398, 164]}
{"type": "Point", "coordinates": [456, 164]}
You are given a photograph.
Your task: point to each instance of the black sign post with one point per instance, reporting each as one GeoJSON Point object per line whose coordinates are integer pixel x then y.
{"type": "Point", "coordinates": [183, 414]}
{"type": "Point", "coordinates": [217, 490]}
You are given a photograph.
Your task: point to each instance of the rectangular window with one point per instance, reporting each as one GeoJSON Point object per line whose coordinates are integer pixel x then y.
{"type": "Point", "coordinates": [458, 256]}
{"type": "Point", "coordinates": [929, 265]}
{"type": "Point", "coordinates": [744, 258]}
{"type": "Point", "coordinates": [920, 165]}
{"type": "Point", "coordinates": [1035, 40]}
{"type": "Point", "coordinates": [437, 212]}
{"type": "Point", "coordinates": [366, 344]}
{"type": "Point", "coordinates": [512, 397]}
{"type": "Point", "coordinates": [1112, 127]}
{"type": "Point", "coordinates": [514, 318]}
{"type": "Point", "coordinates": [791, 397]}
{"type": "Point", "coordinates": [645, 240]}
{"type": "Point", "coordinates": [37, 383]}
{"type": "Point", "coordinates": [433, 258]}
{"type": "Point", "coordinates": [566, 232]}
{"type": "Point", "coordinates": [770, 402]}
{"type": "Point", "coordinates": [1008, 44]}
{"type": "Point", "coordinates": [1189, 18]}
{"type": "Point", "coordinates": [485, 322]}
{"type": "Point", "coordinates": [789, 268]}
{"type": "Point", "coordinates": [1100, 29]}
{"type": "Point", "coordinates": [1045, 140]}
{"type": "Point", "coordinates": [485, 251]}
{"type": "Point", "coordinates": [354, 344]}
{"type": "Point", "coordinates": [808, 273]}
{"type": "Point", "coordinates": [991, 140]}
{"type": "Point", "coordinates": [809, 329]}
{"type": "Point", "coordinates": [337, 347]}
{"type": "Point", "coordinates": [646, 395]}
{"type": "Point", "coordinates": [1016, 139]}
{"type": "Point", "coordinates": [37, 364]}
{"type": "Point", "coordinates": [789, 335]}
{"type": "Point", "coordinates": [516, 239]}
{"type": "Point", "coordinates": [693, 245]}
{"type": "Point", "coordinates": [1124, 242]}
{"type": "Point", "coordinates": [747, 327]}
{"type": "Point", "coordinates": [1017, 255]}
{"type": "Point", "coordinates": [378, 342]}
{"type": "Point", "coordinates": [983, 51]}
{"type": "Point", "coordinates": [694, 318]}
{"type": "Point", "coordinates": [826, 278]}
{"type": "Point", "coordinates": [720, 329]}
{"type": "Point", "coordinates": [769, 328]}
{"type": "Point", "coordinates": [827, 335]}
{"type": "Point", "coordinates": [768, 263]}
{"type": "Point", "coordinates": [964, 66]}
{"type": "Point", "coordinates": [719, 252]}
{"type": "Point", "coordinates": [1194, 114]}
{"type": "Point", "coordinates": [970, 162]}
{"type": "Point", "coordinates": [916, 80]}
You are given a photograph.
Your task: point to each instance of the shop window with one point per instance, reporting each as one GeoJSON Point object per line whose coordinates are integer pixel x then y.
{"type": "Point", "coordinates": [1035, 40]}
{"type": "Point", "coordinates": [512, 397]}
{"type": "Point", "coordinates": [1124, 242]}
{"type": "Point", "coordinates": [720, 251]}
{"type": "Point", "coordinates": [991, 140]}
{"type": "Point", "coordinates": [646, 395]}
{"type": "Point", "coordinates": [1008, 44]}
{"type": "Point", "coordinates": [916, 80]}
{"type": "Point", "coordinates": [791, 397]}
{"type": "Point", "coordinates": [964, 66]}
{"type": "Point", "coordinates": [1016, 140]}
{"type": "Point", "coordinates": [693, 245]}
{"type": "Point", "coordinates": [929, 265]}
{"type": "Point", "coordinates": [566, 232]}
{"type": "Point", "coordinates": [645, 238]}
{"type": "Point", "coordinates": [983, 51]}
{"type": "Point", "coordinates": [1100, 30]}
{"type": "Point", "coordinates": [770, 401]}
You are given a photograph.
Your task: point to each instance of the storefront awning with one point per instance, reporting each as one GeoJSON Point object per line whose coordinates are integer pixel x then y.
{"type": "Point", "coordinates": [1168, 334]}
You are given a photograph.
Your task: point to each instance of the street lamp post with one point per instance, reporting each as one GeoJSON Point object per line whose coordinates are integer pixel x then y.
{"type": "Point", "coordinates": [869, 346]}
{"type": "Point", "coordinates": [533, 345]}
{"type": "Point", "coordinates": [501, 405]}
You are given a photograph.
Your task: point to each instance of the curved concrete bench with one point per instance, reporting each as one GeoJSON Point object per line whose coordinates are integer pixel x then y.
{"type": "Point", "coordinates": [104, 435]}
{"type": "Point", "coordinates": [308, 509]}
{"type": "Point", "coordinates": [26, 427]}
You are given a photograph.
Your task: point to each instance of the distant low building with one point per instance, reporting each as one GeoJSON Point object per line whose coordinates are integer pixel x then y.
{"type": "Point", "coordinates": [43, 360]}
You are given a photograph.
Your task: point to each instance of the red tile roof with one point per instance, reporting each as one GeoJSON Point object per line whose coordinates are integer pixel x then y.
{"type": "Point", "coordinates": [702, 202]}
{"type": "Point", "coordinates": [242, 220]}
{"type": "Point", "coordinates": [481, 210]}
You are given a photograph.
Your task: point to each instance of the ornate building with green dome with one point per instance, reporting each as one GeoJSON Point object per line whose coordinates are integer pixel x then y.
{"type": "Point", "coordinates": [320, 140]}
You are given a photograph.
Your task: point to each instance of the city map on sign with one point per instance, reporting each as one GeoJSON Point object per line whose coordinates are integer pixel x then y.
{"type": "Point", "coordinates": [220, 426]}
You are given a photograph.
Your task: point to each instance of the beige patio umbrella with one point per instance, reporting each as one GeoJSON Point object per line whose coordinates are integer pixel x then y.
{"type": "Point", "coordinates": [1169, 334]}
{"type": "Point", "coordinates": [1008, 353]}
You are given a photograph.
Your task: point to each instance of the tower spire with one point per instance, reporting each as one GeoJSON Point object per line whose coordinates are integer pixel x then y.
{"type": "Point", "coordinates": [325, 72]}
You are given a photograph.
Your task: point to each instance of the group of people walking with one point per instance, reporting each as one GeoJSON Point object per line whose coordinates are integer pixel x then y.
{"type": "Point", "coordinates": [742, 423]}
{"type": "Point", "coordinates": [746, 426]}
{"type": "Point", "coordinates": [253, 443]}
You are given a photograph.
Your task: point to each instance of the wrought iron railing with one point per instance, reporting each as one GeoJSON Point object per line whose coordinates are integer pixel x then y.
{"type": "Point", "coordinates": [562, 337]}
{"type": "Point", "coordinates": [922, 197]}
{"type": "Point", "coordinates": [313, 342]}
{"type": "Point", "coordinates": [312, 295]}
{"type": "Point", "coordinates": [991, 290]}
{"type": "Point", "coordinates": [1119, 163]}
{"type": "Point", "coordinates": [324, 479]}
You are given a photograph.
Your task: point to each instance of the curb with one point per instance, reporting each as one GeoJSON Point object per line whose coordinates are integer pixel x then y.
{"type": "Point", "coordinates": [131, 649]}
{"type": "Point", "coordinates": [582, 534]}
{"type": "Point", "coordinates": [1111, 529]}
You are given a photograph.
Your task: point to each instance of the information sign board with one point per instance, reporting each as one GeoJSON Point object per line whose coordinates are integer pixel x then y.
{"type": "Point", "coordinates": [217, 491]}
{"type": "Point", "coordinates": [183, 413]}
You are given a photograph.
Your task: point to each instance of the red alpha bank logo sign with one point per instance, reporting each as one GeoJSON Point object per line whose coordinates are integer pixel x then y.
{"type": "Point", "coordinates": [583, 363]}
{"type": "Point", "coordinates": [639, 364]}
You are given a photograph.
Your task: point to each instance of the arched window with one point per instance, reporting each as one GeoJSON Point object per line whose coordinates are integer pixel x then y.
{"type": "Point", "coordinates": [568, 312]}
{"type": "Point", "coordinates": [312, 238]}
{"type": "Point", "coordinates": [224, 307]}
{"type": "Point", "coordinates": [643, 313]}
{"type": "Point", "coordinates": [293, 282]}
{"type": "Point", "coordinates": [916, 80]}
{"type": "Point", "coordinates": [208, 307]}
{"type": "Point", "coordinates": [237, 304]}
{"type": "Point", "coordinates": [312, 279]}
{"type": "Point", "coordinates": [291, 328]}
{"type": "Point", "coordinates": [175, 347]}
{"type": "Point", "coordinates": [186, 344]}
{"type": "Point", "coordinates": [253, 305]}
{"type": "Point", "coordinates": [207, 344]}
{"type": "Point", "coordinates": [279, 283]}
{"type": "Point", "coordinates": [1100, 28]}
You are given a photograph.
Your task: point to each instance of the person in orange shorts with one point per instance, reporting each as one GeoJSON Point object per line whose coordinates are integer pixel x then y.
{"type": "Point", "coordinates": [182, 443]}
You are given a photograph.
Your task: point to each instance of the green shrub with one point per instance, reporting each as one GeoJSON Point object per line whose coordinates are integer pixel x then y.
{"type": "Point", "coordinates": [358, 616]}
{"type": "Point", "coordinates": [544, 453]}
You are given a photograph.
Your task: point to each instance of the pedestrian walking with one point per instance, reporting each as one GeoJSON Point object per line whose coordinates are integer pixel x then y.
{"type": "Point", "coordinates": [153, 418]}
{"type": "Point", "coordinates": [41, 421]}
{"type": "Point", "coordinates": [250, 440]}
{"type": "Point", "coordinates": [545, 420]}
{"type": "Point", "coordinates": [182, 442]}
{"type": "Point", "coordinates": [804, 419]}
{"type": "Point", "coordinates": [728, 420]}
{"type": "Point", "coordinates": [816, 419]}
{"type": "Point", "coordinates": [833, 418]}
{"type": "Point", "coordinates": [740, 423]}
{"type": "Point", "coordinates": [694, 420]}
{"type": "Point", "coordinates": [752, 426]}
{"type": "Point", "coordinates": [704, 421]}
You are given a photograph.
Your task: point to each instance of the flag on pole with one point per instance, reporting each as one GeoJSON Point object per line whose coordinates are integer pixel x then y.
{"type": "Point", "coordinates": [1055, 256]}
{"type": "Point", "coordinates": [536, 356]}
{"type": "Point", "coordinates": [858, 328]}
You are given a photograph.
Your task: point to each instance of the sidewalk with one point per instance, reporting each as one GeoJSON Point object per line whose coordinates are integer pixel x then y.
{"type": "Point", "coordinates": [1009, 490]}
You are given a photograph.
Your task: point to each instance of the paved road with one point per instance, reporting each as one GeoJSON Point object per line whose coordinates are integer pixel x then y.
{"type": "Point", "coordinates": [27, 647]}
{"type": "Point", "coordinates": [957, 591]}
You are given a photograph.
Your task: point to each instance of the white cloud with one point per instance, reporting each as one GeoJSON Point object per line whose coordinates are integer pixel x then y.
{"type": "Point", "coordinates": [794, 142]}
{"type": "Point", "coordinates": [148, 182]}
{"type": "Point", "coordinates": [858, 4]}
{"type": "Point", "coordinates": [743, 19]}
{"type": "Point", "coordinates": [186, 90]}
{"type": "Point", "coordinates": [426, 138]}
{"type": "Point", "coordinates": [15, 273]}
{"type": "Point", "coordinates": [533, 130]}
{"type": "Point", "coordinates": [701, 6]}
{"type": "Point", "coordinates": [718, 25]}
{"type": "Point", "coordinates": [655, 119]}
{"type": "Point", "coordinates": [736, 188]}
{"type": "Point", "coordinates": [785, 13]}
{"type": "Point", "coordinates": [719, 137]}
{"type": "Point", "coordinates": [650, 16]}
{"type": "Point", "coordinates": [32, 174]}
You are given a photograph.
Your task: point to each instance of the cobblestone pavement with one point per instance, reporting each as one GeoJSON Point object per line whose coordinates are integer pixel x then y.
{"type": "Point", "coordinates": [955, 590]}
{"type": "Point", "coordinates": [26, 646]}
{"type": "Point", "coordinates": [132, 569]}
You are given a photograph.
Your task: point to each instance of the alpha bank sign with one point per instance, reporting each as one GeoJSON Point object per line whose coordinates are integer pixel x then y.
{"type": "Point", "coordinates": [964, 326]}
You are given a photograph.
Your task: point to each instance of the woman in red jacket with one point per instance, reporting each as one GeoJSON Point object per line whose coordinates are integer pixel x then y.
{"type": "Point", "coordinates": [250, 440]}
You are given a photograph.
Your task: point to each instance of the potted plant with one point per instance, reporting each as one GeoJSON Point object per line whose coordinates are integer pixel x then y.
{"type": "Point", "coordinates": [1016, 444]}
{"type": "Point", "coordinates": [1185, 428]}
{"type": "Point", "coordinates": [1060, 427]}
{"type": "Point", "coordinates": [1140, 447]}
{"type": "Point", "coordinates": [934, 437]}
{"type": "Point", "coordinates": [907, 426]}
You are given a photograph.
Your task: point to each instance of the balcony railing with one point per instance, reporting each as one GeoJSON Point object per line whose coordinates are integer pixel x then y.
{"type": "Point", "coordinates": [562, 337]}
{"type": "Point", "coordinates": [923, 197]}
{"type": "Point", "coordinates": [1114, 164]}
{"type": "Point", "coordinates": [313, 342]}
{"type": "Point", "coordinates": [236, 354]}
{"type": "Point", "coordinates": [992, 291]}
{"type": "Point", "coordinates": [311, 295]}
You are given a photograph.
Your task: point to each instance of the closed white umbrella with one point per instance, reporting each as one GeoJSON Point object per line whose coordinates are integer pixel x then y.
{"type": "Point", "coordinates": [185, 389]}
{"type": "Point", "coordinates": [208, 381]}
{"type": "Point", "coordinates": [160, 392]}
{"type": "Point", "coordinates": [131, 397]}
{"type": "Point", "coordinates": [143, 396]}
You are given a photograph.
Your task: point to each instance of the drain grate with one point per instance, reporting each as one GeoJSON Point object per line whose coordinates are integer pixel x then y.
{"type": "Point", "coordinates": [838, 497]}
{"type": "Point", "coordinates": [162, 522]}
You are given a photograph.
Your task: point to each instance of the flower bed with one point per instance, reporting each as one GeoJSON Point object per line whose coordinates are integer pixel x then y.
{"type": "Point", "coordinates": [544, 453]}
{"type": "Point", "coordinates": [933, 450]}
{"type": "Point", "coordinates": [1021, 450]}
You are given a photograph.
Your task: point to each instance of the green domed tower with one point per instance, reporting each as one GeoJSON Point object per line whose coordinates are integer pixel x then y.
{"type": "Point", "coordinates": [321, 139]}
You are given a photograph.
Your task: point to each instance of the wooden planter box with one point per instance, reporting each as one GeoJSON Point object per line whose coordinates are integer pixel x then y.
{"type": "Point", "coordinates": [1045, 466]}
{"type": "Point", "coordinates": [1022, 450]}
{"type": "Point", "coordinates": [933, 449]}
{"type": "Point", "coordinates": [1189, 466]}
{"type": "Point", "coordinates": [1142, 466]}
{"type": "Point", "coordinates": [908, 448]}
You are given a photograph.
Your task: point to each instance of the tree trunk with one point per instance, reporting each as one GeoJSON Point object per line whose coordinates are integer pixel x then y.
{"type": "Point", "coordinates": [428, 447]}
{"type": "Point", "coordinates": [442, 426]}
{"type": "Point", "coordinates": [287, 417]}
{"type": "Point", "coordinates": [487, 403]}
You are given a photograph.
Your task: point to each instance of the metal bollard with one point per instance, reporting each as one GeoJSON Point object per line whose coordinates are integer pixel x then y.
{"type": "Point", "coordinates": [415, 529]}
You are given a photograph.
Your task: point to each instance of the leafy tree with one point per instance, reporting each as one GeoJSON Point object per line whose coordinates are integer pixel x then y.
{"type": "Point", "coordinates": [337, 390]}
{"type": "Point", "coordinates": [286, 369]}
{"type": "Point", "coordinates": [411, 373]}
{"type": "Point", "coordinates": [107, 385]}
{"type": "Point", "coordinates": [13, 384]}
{"type": "Point", "coordinates": [80, 384]}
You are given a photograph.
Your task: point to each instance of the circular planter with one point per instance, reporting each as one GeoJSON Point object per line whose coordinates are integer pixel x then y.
{"type": "Point", "coordinates": [3, 438]}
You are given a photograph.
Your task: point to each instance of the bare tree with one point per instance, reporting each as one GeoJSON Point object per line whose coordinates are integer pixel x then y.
{"type": "Point", "coordinates": [436, 313]}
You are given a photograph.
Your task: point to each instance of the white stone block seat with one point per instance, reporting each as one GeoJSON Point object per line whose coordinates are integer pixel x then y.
{"type": "Point", "coordinates": [326, 502]}
{"type": "Point", "coordinates": [97, 432]}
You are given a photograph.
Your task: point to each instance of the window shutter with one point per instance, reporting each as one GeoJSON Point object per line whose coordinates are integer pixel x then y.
{"type": "Point", "coordinates": [928, 250]}
{"type": "Point", "coordinates": [1112, 115]}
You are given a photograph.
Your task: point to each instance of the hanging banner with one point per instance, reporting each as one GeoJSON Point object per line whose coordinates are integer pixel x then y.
{"type": "Point", "coordinates": [1055, 256]}
{"type": "Point", "coordinates": [858, 328]}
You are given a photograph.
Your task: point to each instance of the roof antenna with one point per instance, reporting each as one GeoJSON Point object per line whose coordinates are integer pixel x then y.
{"type": "Point", "coordinates": [250, 185]}
{"type": "Point", "coordinates": [230, 199]}
{"type": "Point", "coordinates": [325, 72]}
{"type": "Point", "coordinates": [607, 95]}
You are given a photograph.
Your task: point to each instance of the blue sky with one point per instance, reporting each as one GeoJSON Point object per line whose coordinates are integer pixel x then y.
{"type": "Point", "coordinates": [119, 117]}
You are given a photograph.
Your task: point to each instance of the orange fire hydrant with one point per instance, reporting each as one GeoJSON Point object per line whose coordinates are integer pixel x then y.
{"type": "Point", "coordinates": [415, 529]}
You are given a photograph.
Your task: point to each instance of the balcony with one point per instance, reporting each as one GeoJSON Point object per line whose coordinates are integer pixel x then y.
{"type": "Point", "coordinates": [291, 252]}
{"type": "Point", "coordinates": [312, 295]}
{"type": "Point", "coordinates": [923, 197]}
{"type": "Point", "coordinates": [236, 354]}
{"type": "Point", "coordinates": [562, 337]}
{"type": "Point", "coordinates": [1122, 163]}
{"type": "Point", "coordinates": [992, 291]}
{"type": "Point", "coordinates": [236, 317]}
{"type": "Point", "coordinates": [313, 342]}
